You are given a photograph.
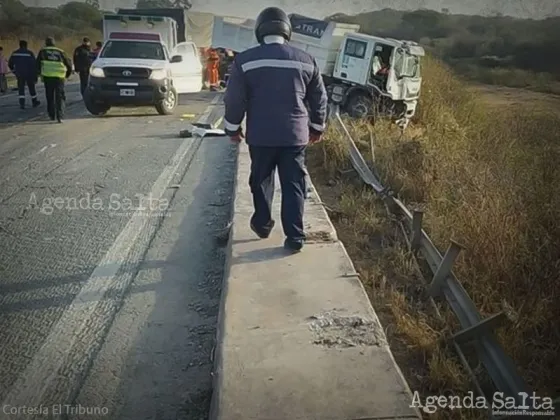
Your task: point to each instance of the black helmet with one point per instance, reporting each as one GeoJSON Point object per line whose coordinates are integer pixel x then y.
{"type": "Point", "coordinates": [273, 21]}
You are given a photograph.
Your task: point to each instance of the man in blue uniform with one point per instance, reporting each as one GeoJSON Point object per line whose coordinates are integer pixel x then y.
{"type": "Point", "coordinates": [82, 62]}
{"type": "Point", "coordinates": [22, 64]}
{"type": "Point", "coordinates": [271, 84]}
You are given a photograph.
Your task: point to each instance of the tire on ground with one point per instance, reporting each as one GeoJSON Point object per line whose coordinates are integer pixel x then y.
{"type": "Point", "coordinates": [168, 105]}
{"type": "Point", "coordinates": [95, 108]}
{"type": "Point", "coordinates": [359, 105]}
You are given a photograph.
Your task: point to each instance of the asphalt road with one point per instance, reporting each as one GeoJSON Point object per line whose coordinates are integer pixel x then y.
{"type": "Point", "coordinates": [9, 105]}
{"type": "Point", "coordinates": [110, 263]}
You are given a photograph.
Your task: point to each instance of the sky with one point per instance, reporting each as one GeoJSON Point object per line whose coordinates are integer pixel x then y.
{"type": "Point", "coordinates": [535, 9]}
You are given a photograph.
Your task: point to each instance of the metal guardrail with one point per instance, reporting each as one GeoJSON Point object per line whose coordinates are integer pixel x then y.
{"type": "Point", "coordinates": [475, 330]}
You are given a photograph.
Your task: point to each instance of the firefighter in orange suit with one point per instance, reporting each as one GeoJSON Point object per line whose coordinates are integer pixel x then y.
{"type": "Point", "coordinates": [204, 61]}
{"type": "Point", "coordinates": [212, 66]}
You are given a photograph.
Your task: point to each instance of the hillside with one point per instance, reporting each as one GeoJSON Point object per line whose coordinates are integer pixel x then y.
{"type": "Point", "coordinates": [320, 8]}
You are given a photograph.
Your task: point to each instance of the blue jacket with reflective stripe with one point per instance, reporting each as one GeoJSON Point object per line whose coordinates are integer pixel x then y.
{"type": "Point", "coordinates": [271, 85]}
{"type": "Point", "coordinates": [22, 63]}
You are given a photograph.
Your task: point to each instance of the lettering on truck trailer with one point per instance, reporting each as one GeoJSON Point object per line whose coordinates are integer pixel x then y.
{"type": "Point", "coordinates": [307, 26]}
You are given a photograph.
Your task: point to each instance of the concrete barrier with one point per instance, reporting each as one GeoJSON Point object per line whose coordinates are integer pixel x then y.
{"type": "Point", "coordinates": [297, 337]}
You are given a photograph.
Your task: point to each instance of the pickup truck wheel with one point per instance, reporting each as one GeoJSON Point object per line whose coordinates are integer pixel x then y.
{"type": "Point", "coordinates": [168, 105]}
{"type": "Point", "coordinates": [95, 108]}
{"type": "Point", "coordinates": [359, 106]}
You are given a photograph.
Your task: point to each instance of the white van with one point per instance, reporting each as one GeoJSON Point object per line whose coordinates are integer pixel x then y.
{"type": "Point", "coordinates": [187, 75]}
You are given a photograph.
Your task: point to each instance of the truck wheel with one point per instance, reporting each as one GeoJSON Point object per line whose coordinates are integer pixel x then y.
{"type": "Point", "coordinates": [95, 109]}
{"type": "Point", "coordinates": [168, 105]}
{"type": "Point", "coordinates": [359, 105]}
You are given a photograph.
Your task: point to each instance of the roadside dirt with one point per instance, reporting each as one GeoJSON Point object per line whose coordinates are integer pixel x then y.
{"type": "Point", "coordinates": [507, 97]}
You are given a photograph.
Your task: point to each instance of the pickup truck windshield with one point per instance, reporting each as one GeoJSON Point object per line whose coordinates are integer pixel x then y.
{"type": "Point", "coordinates": [134, 49]}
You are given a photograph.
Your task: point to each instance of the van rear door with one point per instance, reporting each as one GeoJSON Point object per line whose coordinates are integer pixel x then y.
{"type": "Point", "coordinates": [190, 68]}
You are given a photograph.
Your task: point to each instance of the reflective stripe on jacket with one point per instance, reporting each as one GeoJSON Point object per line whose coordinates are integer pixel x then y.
{"type": "Point", "coordinates": [270, 84]}
{"type": "Point", "coordinates": [52, 62]}
{"type": "Point", "coordinates": [22, 63]}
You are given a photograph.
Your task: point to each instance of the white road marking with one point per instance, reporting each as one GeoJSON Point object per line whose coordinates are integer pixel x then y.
{"type": "Point", "coordinates": [30, 388]}
{"type": "Point", "coordinates": [216, 99]}
{"type": "Point", "coordinates": [47, 147]}
{"type": "Point", "coordinates": [204, 117]}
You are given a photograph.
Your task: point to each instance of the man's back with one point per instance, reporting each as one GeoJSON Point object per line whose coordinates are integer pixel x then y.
{"type": "Point", "coordinates": [53, 62]}
{"type": "Point", "coordinates": [82, 58]}
{"type": "Point", "coordinates": [278, 80]}
{"type": "Point", "coordinates": [22, 61]}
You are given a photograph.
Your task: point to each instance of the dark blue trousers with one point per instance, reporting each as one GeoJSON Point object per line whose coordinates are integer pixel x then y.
{"type": "Point", "coordinates": [22, 82]}
{"type": "Point", "coordinates": [290, 162]}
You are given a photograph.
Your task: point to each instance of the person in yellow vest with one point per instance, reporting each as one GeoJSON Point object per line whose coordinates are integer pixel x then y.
{"type": "Point", "coordinates": [55, 67]}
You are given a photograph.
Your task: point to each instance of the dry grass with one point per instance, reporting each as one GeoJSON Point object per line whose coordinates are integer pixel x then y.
{"type": "Point", "coordinates": [491, 181]}
{"type": "Point", "coordinates": [67, 44]}
{"type": "Point", "coordinates": [512, 77]}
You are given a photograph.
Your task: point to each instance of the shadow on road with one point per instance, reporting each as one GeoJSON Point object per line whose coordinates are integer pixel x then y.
{"type": "Point", "coordinates": [172, 304]}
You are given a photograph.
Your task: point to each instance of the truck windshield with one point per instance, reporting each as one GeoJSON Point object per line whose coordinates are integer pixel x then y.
{"type": "Point", "coordinates": [406, 65]}
{"type": "Point", "coordinates": [134, 49]}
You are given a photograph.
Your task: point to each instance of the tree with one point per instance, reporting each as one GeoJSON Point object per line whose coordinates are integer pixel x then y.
{"type": "Point", "coordinates": [93, 3]}
{"type": "Point", "coordinates": [183, 4]}
{"type": "Point", "coordinates": [159, 4]}
{"type": "Point", "coordinates": [153, 4]}
{"type": "Point", "coordinates": [80, 11]}
{"type": "Point", "coordinates": [76, 14]}
{"type": "Point", "coordinates": [13, 14]}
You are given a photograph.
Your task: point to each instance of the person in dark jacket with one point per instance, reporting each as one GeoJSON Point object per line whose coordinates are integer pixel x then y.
{"type": "Point", "coordinates": [22, 63]}
{"type": "Point", "coordinates": [55, 67]}
{"type": "Point", "coordinates": [271, 84]}
{"type": "Point", "coordinates": [95, 52]}
{"type": "Point", "coordinates": [82, 62]}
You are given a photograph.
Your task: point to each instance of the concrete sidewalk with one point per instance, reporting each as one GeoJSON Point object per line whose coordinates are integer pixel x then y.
{"type": "Point", "coordinates": [298, 338]}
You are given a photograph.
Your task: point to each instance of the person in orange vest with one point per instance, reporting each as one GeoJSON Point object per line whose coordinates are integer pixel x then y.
{"type": "Point", "coordinates": [212, 67]}
{"type": "Point", "coordinates": [203, 61]}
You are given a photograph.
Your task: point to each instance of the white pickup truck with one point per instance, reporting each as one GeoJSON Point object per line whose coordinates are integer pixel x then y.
{"type": "Point", "coordinates": [141, 64]}
{"type": "Point", "coordinates": [364, 74]}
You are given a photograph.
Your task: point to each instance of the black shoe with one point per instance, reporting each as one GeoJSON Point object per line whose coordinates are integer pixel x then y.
{"type": "Point", "coordinates": [22, 107]}
{"type": "Point", "coordinates": [263, 233]}
{"type": "Point", "coordinates": [293, 245]}
{"type": "Point", "coordinates": [59, 120]}
{"type": "Point", "coordinates": [36, 104]}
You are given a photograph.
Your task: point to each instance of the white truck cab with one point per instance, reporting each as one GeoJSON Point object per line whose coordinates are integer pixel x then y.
{"type": "Point", "coordinates": [139, 66]}
{"type": "Point", "coordinates": [371, 71]}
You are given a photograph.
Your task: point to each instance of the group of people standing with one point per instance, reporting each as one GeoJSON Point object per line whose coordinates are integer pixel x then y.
{"type": "Point", "coordinates": [84, 56]}
{"type": "Point", "coordinates": [53, 66]}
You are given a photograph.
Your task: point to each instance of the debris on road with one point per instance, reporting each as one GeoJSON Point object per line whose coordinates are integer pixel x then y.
{"type": "Point", "coordinates": [334, 330]}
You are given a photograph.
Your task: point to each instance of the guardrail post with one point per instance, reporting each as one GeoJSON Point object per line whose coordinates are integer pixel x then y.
{"type": "Point", "coordinates": [417, 217]}
{"type": "Point", "coordinates": [444, 269]}
{"type": "Point", "coordinates": [486, 325]}
{"type": "Point", "coordinates": [388, 199]}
